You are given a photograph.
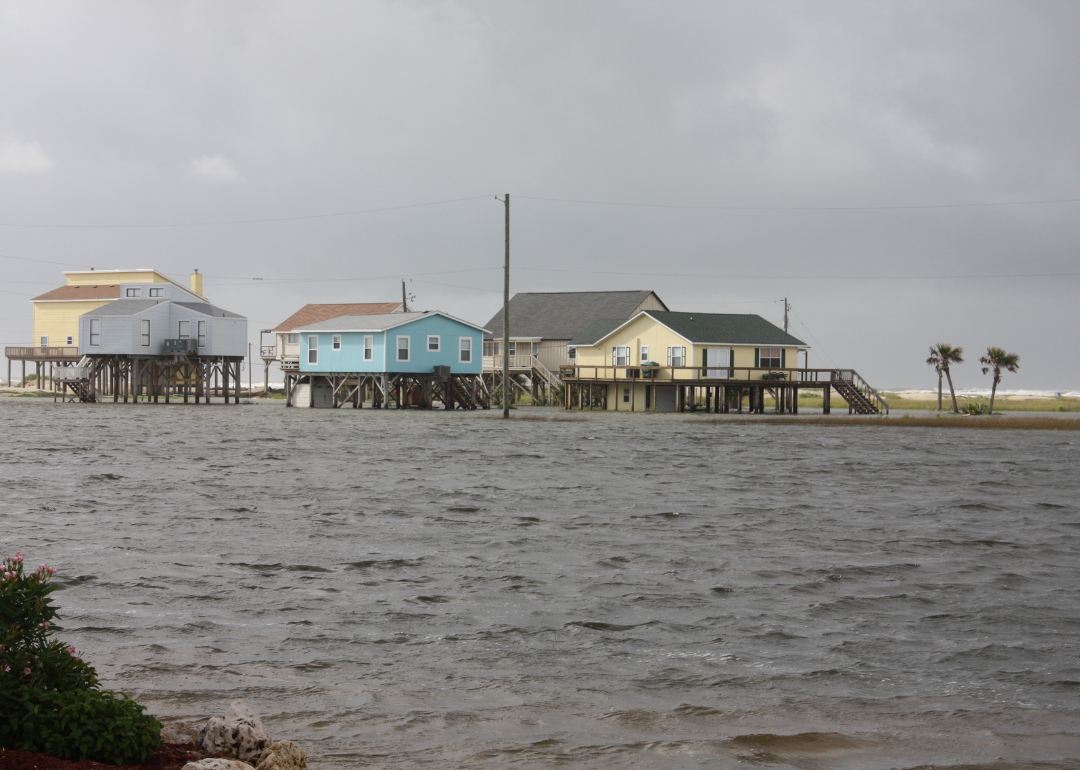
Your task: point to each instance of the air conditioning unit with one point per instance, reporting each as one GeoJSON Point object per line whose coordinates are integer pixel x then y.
{"type": "Point", "coordinates": [441, 371]}
{"type": "Point", "coordinates": [182, 346]}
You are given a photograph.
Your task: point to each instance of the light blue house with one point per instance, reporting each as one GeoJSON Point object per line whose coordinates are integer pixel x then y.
{"type": "Point", "coordinates": [409, 358]}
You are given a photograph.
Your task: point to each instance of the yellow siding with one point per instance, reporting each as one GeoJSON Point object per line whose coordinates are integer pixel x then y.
{"type": "Point", "coordinates": [59, 320]}
{"type": "Point", "coordinates": [97, 278]}
{"type": "Point", "coordinates": [643, 330]}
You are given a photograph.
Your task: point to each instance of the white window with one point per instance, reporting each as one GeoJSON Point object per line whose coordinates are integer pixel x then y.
{"type": "Point", "coordinates": [573, 354]}
{"type": "Point", "coordinates": [536, 349]}
{"type": "Point", "coordinates": [184, 330]}
{"type": "Point", "coordinates": [70, 340]}
{"type": "Point", "coordinates": [433, 342]}
{"type": "Point", "coordinates": [511, 348]}
{"type": "Point", "coordinates": [626, 395]}
{"type": "Point", "coordinates": [676, 356]}
{"type": "Point", "coordinates": [294, 339]}
{"type": "Point", "coordinates": [157, 292]}
{"type": "Point", "coordinates": [644, 353]}
{"type": "Point", "coordinates": [489, 348]}
{"type": "Point", "coordinates": [465, 350]}
{"type": "Point", "coordinates": [145, 323]}
{"type": "Point", "coordinates": [44, 339]}
{"type": "Point", "coordinates": [403, 348]}
{"type": "Point", "coordinates": [313, 349]}
{"type": "Point", "coordinates": [620, 355]}
{"type": "Point", "coordinates": [336, 342]}
{"type": "Point", "coordinates": [369, 347]}
{"type": "Point", "coordinates": [95, 332]}
{"type": "Point", "coordinates": [498, 349]}
{"type": "Point", "coordinates": [770, 358]}
{"type": "Point", "coordinates": [202, 334]}
{"type": "Point", "coordinates": [132, 292]}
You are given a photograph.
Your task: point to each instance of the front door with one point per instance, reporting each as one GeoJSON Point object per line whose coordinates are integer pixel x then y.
{"type": "Point", "coordinates": [715, 358]}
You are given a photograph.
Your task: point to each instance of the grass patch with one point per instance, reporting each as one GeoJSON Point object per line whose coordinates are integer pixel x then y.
{"type": "Point", "coordinates": [907, 421]}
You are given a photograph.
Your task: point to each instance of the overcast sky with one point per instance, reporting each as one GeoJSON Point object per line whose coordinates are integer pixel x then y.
{"type": "Point", "coordinates": [827, 152]}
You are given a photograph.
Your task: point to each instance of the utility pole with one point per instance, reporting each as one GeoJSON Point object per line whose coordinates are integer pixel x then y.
{"type": "Point", "coordinates": [506, 317]}
{"type": "Point", "coordinates": [405, 302]}
{"type": "Point", "coordinates": [787, 307]}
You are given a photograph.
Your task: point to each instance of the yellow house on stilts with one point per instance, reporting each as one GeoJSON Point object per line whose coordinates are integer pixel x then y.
{"type": "Point", "coordinates": [674, 362]}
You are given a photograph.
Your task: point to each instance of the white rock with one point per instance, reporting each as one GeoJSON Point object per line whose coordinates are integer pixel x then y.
{"type": "Point", "coordinates": [179, 732]}
{"type": "Point", "coordinates": [240, 733]}
{"type": "Point", "coordinates": [217, 764]}
{"type": "Point", "coordinates": [283, 755]}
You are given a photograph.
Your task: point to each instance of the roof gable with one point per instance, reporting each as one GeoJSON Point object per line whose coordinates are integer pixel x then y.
{"type": "Point", "coordinates": [315, 313]}
{"type": "Point", "coordinates": [376, 322]}
{"type": "Point", "coordinates": [561, 315]}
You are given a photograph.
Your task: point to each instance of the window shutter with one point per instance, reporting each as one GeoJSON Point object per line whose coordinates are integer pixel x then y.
{"type": "Point", "coordinates": [614, 353]}
{"type": "Point", "coordinates": [757, 357]}
{"type": "Point", "coordinates": [783, 358]}
{"type": "Point", "coordinates": [732, 358]}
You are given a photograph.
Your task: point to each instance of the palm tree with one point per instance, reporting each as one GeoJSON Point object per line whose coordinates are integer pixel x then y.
{"type": "Point", "coordinates": [935, 361]}
{"type": "Point", "coordinates": [943, 355]}
{"type": "Point", "coordinates": [995, 360]}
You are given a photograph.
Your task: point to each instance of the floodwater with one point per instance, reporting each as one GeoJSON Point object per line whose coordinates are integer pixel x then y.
{"type": "Point", "coordinates": [432, 590]}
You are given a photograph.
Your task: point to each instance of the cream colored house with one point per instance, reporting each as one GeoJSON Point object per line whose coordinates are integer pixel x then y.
{"type": "Point", "coordinates": [642, 362]}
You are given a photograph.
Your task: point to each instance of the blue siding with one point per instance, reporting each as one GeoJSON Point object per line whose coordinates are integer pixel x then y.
{"type": "Point", "coordinates": [351, 356]}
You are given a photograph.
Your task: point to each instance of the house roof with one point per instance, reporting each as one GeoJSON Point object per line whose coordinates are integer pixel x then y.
{"type": "Point", "coordinates": [314, 313]}
{"type": "Point", "coordinates": [375, 323]}
{"type": "Point", "coordinates": [560, 315]}
{"type": "Point", "coordinates": [703, 328]}
{"type": "Point", "coordinates": [129, 307]}
{"type": "Point", "coordinates": [69, 293]}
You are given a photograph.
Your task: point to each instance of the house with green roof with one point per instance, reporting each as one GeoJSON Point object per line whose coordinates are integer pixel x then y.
{"type": "Point", "coordinates": [671, 361]}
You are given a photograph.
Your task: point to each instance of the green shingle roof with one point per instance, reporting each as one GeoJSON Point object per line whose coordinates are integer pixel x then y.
{"type": "Point", "coordinates": [702, 328]}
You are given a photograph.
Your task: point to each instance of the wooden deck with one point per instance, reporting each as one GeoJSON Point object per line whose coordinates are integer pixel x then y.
{"type": "Point", "coordinates": [720, 390]}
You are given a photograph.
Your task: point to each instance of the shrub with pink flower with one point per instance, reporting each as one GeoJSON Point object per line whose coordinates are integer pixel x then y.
{"type": "Point", "coordinates": [28, 654]}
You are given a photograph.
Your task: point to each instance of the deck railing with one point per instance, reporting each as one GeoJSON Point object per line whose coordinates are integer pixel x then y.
{"type": "Point", "coordinates": [268, 351]}
{"type": "Point", "coordinates": [71, 373]}
{"type": "Point", "coordinates": [48, 353]}
{"type": "Point", "coordinates": [495, 363]}
{"type": "Point", "coordinates": [677, 373]}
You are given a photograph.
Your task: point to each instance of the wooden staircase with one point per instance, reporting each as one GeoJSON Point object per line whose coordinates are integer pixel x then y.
{"type": "Point", "coordinates": [862, 398]}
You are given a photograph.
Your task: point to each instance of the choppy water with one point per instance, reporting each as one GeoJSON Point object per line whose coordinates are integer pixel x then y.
{"type": "Point", "coordinates": [448, 590]}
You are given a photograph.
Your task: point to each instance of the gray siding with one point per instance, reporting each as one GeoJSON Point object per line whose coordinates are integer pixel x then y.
{"type": "Point", "coordinates": [229, 337]}
{"type": "Point", "coordinates": [553, 354]}
{"type": "Point", "coordinates": [122, 334]}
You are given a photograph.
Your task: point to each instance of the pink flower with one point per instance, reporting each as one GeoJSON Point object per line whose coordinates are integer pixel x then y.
{"type": "Point", "coordinates": [26, 672]}
{"type": "Point", "coordinates": [46, 625]}
{"type": "Point", "coordinates": [7, 668]}
{"type": "Point", "coordinates": [71, 651]}
{"type": "Point", "coordinates": [18, 557]}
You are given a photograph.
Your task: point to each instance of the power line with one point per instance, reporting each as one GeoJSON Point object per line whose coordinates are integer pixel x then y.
{"type": "Point", "coordinates": [806, 277]}
{"type": "Point", "coordinates": [263, 220]}
{"type": "Point", "coordinates": [807, 208]}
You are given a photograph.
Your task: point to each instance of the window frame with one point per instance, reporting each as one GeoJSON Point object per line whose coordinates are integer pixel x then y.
{"type": "Point", "coordinates": [644, 354]}
{"type": "Point", "coordinates": [438, 343]}
{"type": "Point", "coordinates": [131, 292]}
{"type": "Point", "coordinates": [144, 331]}
{"type": "Point", "coordinates": [369, 347]}
{"type": "Point", "coordinates": [511, 347]}
{"type": "Point", "coordinates": [536, 350]}
{"type": "Point", "coordinates": [407, 348]}
{"type": "Point", "coordinates": [465, 346]}
{"type": "Point", "coordinates": [620, 355]}
{"type": "Point", "coordinates": [290, 341]}
{"type": "Point", "coordinates": [44, 340]}
{"type": "Point", "coordinates": [774, 362]}
{"type": "Point", "coordinates": [681, 357]}
{"type": "Point", "coordinates": [335, 342]}
{"type": "Point", "coordinates": [626, 395]}
{"type": "Point", "coordinates": [313, 349]}
{"type": "Point", "coordinates": [183, 330]}
{"type": "Point", "coordinates": [95, 336]}
{"type": "Point", "coordinates": [156, 291]}
{"type": "Point", "coordinates": [201, 331]}
{"type": "Point", "coordinates": [70, 339]}
{"type": "Point", "coordinates": [489, 348]}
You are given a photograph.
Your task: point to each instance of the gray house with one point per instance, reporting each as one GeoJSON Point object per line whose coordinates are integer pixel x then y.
{"type": "Point", "coordinates": [155, 319]}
